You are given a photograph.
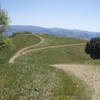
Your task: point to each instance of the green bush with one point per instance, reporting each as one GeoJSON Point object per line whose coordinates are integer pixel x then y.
{"type": "Point", "coordinates": [93, 48]}
{"type": "Point", "coordinates": [6, 43]}
{"type": "Point", "coordinates": [19, 33]}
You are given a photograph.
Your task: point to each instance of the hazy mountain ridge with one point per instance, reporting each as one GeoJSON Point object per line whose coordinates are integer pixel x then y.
{"type": "Point", "coordinates": [57, 31]}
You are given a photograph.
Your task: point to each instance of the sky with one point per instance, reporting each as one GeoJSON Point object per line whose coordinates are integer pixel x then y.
{"type": "Point", "coordinates": [70, 14]}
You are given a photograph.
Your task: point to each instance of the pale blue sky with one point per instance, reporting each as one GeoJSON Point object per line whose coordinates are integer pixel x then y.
{"type": "Point", "coordinates": [71, 14]}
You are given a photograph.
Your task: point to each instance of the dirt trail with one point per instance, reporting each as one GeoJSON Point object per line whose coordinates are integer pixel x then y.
{"type": "Point", "coordinates": [25, 49]}
{"type": "Point", "coordinates": [54, 46]}
{"type": "Point", "coordinates": [86, 73]}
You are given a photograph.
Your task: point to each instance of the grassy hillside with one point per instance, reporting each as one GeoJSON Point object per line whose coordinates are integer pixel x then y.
{"type": "Point", "coordinates": [20, 41]}
{"type": "Point", "coordinates": [51, 40]}
{"type": "Point", "coordinates": [32, 78]}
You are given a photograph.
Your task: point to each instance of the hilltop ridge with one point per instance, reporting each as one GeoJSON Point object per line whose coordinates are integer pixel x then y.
{"type": "Point", "coordinates": [56, 31]}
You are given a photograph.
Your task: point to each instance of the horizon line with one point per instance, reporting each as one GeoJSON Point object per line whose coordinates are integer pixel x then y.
{"type": "Point", "coordinates": [55, 27]}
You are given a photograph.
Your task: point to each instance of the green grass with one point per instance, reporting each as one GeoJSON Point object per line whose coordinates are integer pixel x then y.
{"type": "Point", "coordinates": [19, 41]}
{"type": "Point", "coordinates": [51, 40]}
{"type": "Point", "coordinates": [39, 82]}
{"type": "Point", "coordinates": [63, 84]}
{"type": "Point", "coordinates": [58, 55]}
{"type": "Point", "coordinates": [31, 77]}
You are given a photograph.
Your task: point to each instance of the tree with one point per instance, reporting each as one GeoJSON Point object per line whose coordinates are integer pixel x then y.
{"type": "Point", "coordinates": [93, 48]}
{"type": "Point", "coordinates": [5, 42]}
{"type": "Point", "coordinates": [3, 21]}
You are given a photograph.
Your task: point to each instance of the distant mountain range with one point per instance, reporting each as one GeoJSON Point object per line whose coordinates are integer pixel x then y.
{"type": "Point", "coordinates": [56, 31]}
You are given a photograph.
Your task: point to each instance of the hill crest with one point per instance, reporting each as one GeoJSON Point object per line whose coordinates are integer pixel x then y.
{"type": "Point", "coordinates": [56, 31]}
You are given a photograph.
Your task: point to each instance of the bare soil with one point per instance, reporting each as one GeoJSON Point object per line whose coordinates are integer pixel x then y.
{"type": "Point", "coordinates": [87, 74]}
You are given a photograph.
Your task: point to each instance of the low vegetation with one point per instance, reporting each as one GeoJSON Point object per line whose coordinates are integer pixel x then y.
{"type": "Point", "coordinates": [21, 33]}
{"type": "Point", "coordinates": [32, 78]}
{"type": "Point", "coordinates": [19, 42]}
{"type": "Point", "coordinates": [52, 40]}
{"type": "Point", "coordinates": [6, 44]}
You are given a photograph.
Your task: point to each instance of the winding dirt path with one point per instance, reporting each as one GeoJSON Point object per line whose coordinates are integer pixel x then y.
{"type": "Point", "coordinates": [55, 46]}
{"type": "Point", "coordinates": [25, 49]}
{"type": "Point", "coordinates": [86, 73]}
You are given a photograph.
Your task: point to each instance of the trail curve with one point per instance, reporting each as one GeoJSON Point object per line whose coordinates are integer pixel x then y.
{"type": "Point", "coordinates": [25, 49]}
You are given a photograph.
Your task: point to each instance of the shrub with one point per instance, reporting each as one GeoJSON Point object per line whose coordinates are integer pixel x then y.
{"type": "Point", "coordinates": [6, 43]}
{"type": "Point", "coordinates": [93, 48]}
{"type": "Point", "coordinates": [19, 33]}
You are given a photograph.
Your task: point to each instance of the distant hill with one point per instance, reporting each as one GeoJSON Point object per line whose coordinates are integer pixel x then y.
{"type": "Point", "coordinates": [57, 31]}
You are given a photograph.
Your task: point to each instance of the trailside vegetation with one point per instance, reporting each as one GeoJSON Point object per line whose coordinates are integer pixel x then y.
{"type": "Point", "coordinates": [3, 21]}
{"type": "Point", "coordinates": [14, 34]}
{"type": "Point", "coordinates": [5, 42]}
{"type": "Point", "coordinates": [93, 48]}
